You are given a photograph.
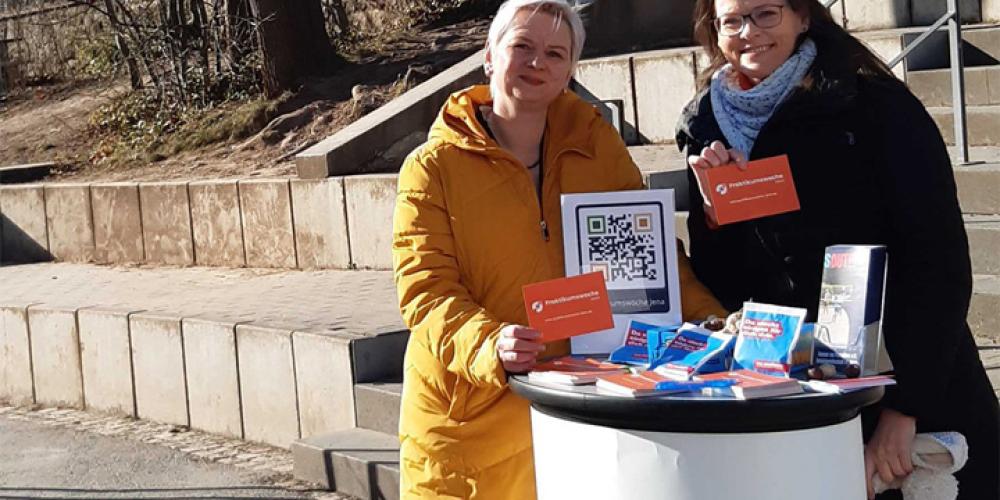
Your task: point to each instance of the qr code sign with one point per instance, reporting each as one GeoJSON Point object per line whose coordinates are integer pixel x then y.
{"type": "Point", "coordinates": [624, 243]}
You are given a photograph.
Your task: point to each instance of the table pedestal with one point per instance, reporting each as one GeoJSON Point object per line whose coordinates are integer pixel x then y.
{"type": "Point", "coordinates": [583, 461]}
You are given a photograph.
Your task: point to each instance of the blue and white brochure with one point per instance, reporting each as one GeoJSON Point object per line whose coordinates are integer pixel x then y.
{"type": "Point", "coordinates": [635, 349]}
{"type": "Point", "coordinates": [768, 338]}
{"type": "Point", "coordinates": [694, 351]}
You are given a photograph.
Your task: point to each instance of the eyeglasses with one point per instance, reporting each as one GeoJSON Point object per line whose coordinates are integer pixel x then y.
{"type": "Point", "coordinates": [765, 16]}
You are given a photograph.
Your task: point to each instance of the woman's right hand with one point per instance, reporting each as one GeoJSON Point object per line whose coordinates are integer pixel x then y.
{"type": "Point", "coordinates": [518, 348]}
{"type": "Point", "coordinates": [716, 155]}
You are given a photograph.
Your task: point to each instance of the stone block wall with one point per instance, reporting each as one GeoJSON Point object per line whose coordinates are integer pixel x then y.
{"type": "Point", "coordinates": [267, 223]}
{"type": "Point", "coordinates": [243, 380]}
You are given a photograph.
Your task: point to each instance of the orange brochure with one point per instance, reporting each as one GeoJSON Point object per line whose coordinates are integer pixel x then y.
{"type": "Point", "coordinates": [764, 188]}
{"type": "Point", "coordinates": [567, 307]}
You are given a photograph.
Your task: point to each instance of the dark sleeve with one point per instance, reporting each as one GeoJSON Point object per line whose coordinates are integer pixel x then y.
{"type": "Point", "coordinates": [710, 258]}
{"type": "Point", "coordinates": [929, 281]}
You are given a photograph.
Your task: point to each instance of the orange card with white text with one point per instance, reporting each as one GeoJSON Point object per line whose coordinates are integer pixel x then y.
{"type": "Point", "coordinates": [764, 188]}
{"type": "Point", "coordinates": [567, 307]}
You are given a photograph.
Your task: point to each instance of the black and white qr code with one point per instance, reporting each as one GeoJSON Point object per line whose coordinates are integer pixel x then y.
{"type": "Point", "coordinates": [626, 245]}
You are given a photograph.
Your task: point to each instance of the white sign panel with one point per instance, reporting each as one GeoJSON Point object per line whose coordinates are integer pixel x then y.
{"type": "Point", "coordinates": [629, 236]}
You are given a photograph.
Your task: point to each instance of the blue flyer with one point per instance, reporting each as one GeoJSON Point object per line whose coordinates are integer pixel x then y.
{"type": "Point", "coordinates": [694, 350]}
{"type": "Point", "coordinates": [635, 351]}
{"type": "Point", "coordinates": [769, 340]}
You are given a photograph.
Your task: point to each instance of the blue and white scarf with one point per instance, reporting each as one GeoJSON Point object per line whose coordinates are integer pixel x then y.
{"type": "Point", "coordinates": [742, 113]}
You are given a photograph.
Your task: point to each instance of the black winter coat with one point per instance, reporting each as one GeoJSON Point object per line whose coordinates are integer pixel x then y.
{"type": "Point", "coordinates": [870, 167]}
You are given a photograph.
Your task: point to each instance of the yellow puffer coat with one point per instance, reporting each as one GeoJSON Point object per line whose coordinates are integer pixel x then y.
{"type": "Point", "coordinates": [467, 237]}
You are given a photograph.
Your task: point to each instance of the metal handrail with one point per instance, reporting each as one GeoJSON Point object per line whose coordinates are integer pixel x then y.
{"type": "Point", "coordinates": [953, 18]}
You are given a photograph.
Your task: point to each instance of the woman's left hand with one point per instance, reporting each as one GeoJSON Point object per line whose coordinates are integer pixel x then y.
{"type": "Point", "coordinates": [888, 451]}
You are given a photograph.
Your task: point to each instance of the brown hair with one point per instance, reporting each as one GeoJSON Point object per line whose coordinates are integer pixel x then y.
{"type": "Point", "coordinates": [832, 40]}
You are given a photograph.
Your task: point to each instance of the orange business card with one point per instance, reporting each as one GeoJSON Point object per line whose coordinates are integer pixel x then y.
{"type": "Point", "coordinates": [764, 188]}
{"type": "Point", "coordinates": [567, 307]}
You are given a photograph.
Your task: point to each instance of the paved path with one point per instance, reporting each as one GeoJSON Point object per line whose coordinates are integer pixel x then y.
{"type": "Point", "coordinates": [359, 302]}
{"type": "Point", "coordinates": [70, 454]}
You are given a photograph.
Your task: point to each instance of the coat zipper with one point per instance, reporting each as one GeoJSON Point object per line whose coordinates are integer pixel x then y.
{"type": "Point", "coordinates": [542, 224]}
{"type": "Point", "coordinates": [541, 203]}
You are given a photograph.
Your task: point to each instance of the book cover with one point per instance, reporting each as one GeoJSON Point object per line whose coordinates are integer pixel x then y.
{"type": "Point", "coordinates": [849, 322]}
{"type": "Point", "coordinates": [629, 237]}
{"type": "Point", "coordinates": [764, 188]}
{"type": "Point", "coordinates": [567, 307]}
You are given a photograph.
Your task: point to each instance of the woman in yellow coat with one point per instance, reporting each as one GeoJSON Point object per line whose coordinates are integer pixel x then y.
{"type": "Point", "coordinates": [477, 217]}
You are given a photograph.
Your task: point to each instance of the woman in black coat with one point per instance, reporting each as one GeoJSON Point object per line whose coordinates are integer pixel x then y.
{"type": "Point", "coordinates": [870, 167]}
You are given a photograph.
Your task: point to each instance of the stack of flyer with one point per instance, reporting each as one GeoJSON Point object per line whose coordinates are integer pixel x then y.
{"type": "Point", "coordinates": [571, 370]}
{"type": "Point", "coordinates": [846, 385]}
{"type": "Point", "coordinates": [635, 385]}
{"type": "Point", "coordinates": [749, 384]}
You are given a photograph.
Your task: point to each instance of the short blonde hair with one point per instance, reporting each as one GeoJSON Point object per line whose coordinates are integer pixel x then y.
{"type": "Point", "coordinates": [561, 10]}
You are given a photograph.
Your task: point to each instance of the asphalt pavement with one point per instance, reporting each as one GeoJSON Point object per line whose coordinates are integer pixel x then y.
{"type": "Point", "coordinates": [45, 461]}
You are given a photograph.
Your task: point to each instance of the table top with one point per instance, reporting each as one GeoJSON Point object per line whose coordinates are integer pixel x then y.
{"type": "Point", "coordinates": [694, 413]}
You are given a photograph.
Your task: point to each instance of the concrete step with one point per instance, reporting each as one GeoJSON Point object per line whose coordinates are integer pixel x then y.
{"type": "Point", "coordinates": [990, 356]}
{"type": "Point", "coordinates": [377, 406]}
{"type": "Point", "coordinates": [378, 356]}
{"type": "Point", "coordinates": [978, 186]}
{"type": "Point", "coordinates": [983, 124]}
{"type": "Point", "coordinates": [933, 87]}
{"type": "Point", "coordinates": [359, 462]}
{"type": "Point", "coordinates": [984, 311]}
{"type": "Point", "coordinates": [984, 243]}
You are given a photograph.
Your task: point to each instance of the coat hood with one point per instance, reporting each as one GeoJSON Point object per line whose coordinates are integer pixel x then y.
{"type": "Point", "coordinates": [570, 123]}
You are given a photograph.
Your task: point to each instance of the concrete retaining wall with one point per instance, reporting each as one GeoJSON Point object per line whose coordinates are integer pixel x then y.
{"type": "Point", "coordinates": [117, 222]}
{"type": "Point", "coordinates": [239, 380]}
{"type": "Point", "coordinates": [267, 378]}
{"type": "Point", "coordinates": [55, 355]}
{"type": "Point", "coordinates": [266, 206]}
{"type": "Point", "coordinates": [16, 383]}
{"type": "Point", "coordinates": [991, 10]}
{"type": "Point", "coordinates": [158, 359]}
{"type": "Point", "coordinates": [106, 360]}
{"type": "Point", "coordinates": [212, 377]}
{"type": "Point", "coordinates": [166, 223]}
{"type": "Point", "coordinates": [274, 223]}
{"type": "Point", "coordinates": [320, 223]}
{"type": "Point", "coordinates": [370, 198]}
{"type": "Point", "coordinates": [216, 224]}
{"type": "Point", "coordinates": [69, 222]}
{"type": "Point", "coordinates": [22, 223]}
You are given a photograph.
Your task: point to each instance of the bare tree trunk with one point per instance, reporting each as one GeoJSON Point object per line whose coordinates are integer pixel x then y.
{"type": "Point", "coordinates": [293, 42]}
{"type": "Point", "coordinates": [133, 70]}
{"type": "Point", "coordinates": [240, 35]}
{"type": "Point", "coordinates": [199, 26]}
{"type": "Point", "coordinates": [338, 17]}
{"type": "Point", "coordinates": [170, 20]}
{"type": "Point", "coordinates": [140, 42]}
